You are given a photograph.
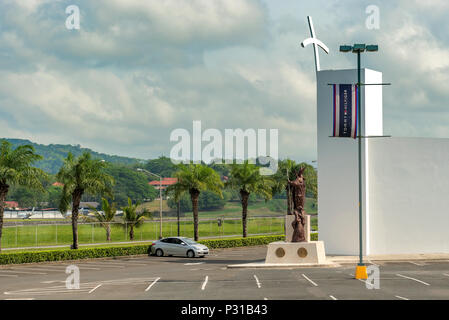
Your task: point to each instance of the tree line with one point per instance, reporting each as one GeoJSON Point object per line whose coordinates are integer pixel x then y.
{"type": "Point", "coordinates": [87, 176]}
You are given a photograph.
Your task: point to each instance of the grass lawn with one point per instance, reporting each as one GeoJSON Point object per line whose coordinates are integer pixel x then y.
{"type": "Point", "coordinates": [46, 235]}
{"type": "Point", "coordinates": [264, 217]}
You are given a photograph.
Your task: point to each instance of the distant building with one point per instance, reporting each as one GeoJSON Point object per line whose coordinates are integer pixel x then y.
{"type": "Point", "coordinates": [165, 183]}
{"type": "Point", "coordinates": [58, 184]}
{"type": "Point", "coordinates": [11, 205]}
{"type": "Point", "coordinates": [88, 205]}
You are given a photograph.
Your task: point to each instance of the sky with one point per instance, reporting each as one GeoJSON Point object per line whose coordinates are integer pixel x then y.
{"type": "Point", "coordinates": [137, 70]}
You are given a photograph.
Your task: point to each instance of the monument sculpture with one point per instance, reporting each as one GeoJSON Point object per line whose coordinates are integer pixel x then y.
{"type": "Point", "coordinates": [297, 188]}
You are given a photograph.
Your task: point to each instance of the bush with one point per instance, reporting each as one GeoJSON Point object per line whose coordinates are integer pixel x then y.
{"type": "Point", "coordinates": [240, 242]}
{"type": "Point", "coordinates": [68, 254]}
{"type": "Point", "coordinates": [117, 251]}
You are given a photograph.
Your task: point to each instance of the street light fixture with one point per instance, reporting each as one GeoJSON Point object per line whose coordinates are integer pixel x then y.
{"type": "Point", "coordinates": [160, 197]}
{"type": "Point", "coordinates": [361, 272]}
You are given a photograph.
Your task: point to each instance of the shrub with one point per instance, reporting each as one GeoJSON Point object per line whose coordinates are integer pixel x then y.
{"type": "Point", "coordinates": [240, 242]}
{"type": "Point", "coordinates": [68, 254]}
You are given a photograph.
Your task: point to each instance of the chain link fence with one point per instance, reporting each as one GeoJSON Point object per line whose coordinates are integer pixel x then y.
{"type": "Point", "coordinates": [39, 234]}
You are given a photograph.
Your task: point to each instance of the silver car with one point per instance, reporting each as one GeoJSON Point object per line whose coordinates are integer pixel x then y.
{"type": "Point", "coordinates": [178, 246]}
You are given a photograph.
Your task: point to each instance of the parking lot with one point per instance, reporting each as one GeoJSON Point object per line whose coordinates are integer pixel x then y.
{"type": "Point", "coordinates": [143, 277]}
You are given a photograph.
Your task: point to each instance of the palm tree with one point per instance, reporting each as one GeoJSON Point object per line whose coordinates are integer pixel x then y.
{"type": "Point", "coordinates": [16, 169]}
{"type": "Point", "coordinates": [194, 178]}
{"type": "Point", "coordinates": [106, 216]}
{"type": "Point", "coordinates": [286, 170]}
{"type": "Point", "coordinates": [131, 218]}
{"type": "Point", "coordinates": [247, 179]}
{"type": "Point", "coordinates": [82, 175]}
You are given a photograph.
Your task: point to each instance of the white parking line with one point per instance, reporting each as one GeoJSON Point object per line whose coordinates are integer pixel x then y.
{"type": "Point", "coordinates": [94, 288]}
{"type": "Point", "coordinates": [24, 272]}
{"type": "Point", "coordinates": [192, 263]}
{"type": "Point", "coordinates": [364, 281]}
{"type": "Point", "coordinates": [265, 298]}
{"type": "Point", "coordinates": [8, 275]}
{"type": "Point", "coordinates": [38, 269]}
{"type": "Point", "coordinates": [123, 263]}
{"type": "Point", "coordinates": [88, 287]}
{"type": "Point", "coordinates": [87, 268]}
{"type": "Point", "coordinates": [46, 291]}
{"type": "Point", "coordinates": [333, 298]}
{"type": "Point", "coordinates": [20, 299]}
{"type": "Point", "coordinates": [205, 283]}
{"type": "Point", "coordinates": [416, 263]}
{"type": "Point", "coordinates": [152, 284]}
{"type": "Point", "coordinates": [402, 298]}
{"type": "Point", "coordinates": [257, 281]}
{"type": "Point", "coordinates": [445, 274]}
{"type": "Point", "coordinates": [102, 265]}
{"type": "Point", "coordinates": [417, 280]}
{"type": "Point", "coordinates": [309, 280]}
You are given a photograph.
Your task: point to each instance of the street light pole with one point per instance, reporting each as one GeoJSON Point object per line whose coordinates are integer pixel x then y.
{"type": "Point", "coordinates": [361, 272]}
{"type": "Point", "coordinates": [160, 207]}
{"type": "Point", "coordinates": [160, 198]}
{"type": "Point", "coordinates": [178, 210]}
{"type": "Point", "coordinates": [359, 120]}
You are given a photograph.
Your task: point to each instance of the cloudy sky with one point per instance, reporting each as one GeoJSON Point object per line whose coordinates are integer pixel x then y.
{"type": "Point", "coordinates": [136, 70]}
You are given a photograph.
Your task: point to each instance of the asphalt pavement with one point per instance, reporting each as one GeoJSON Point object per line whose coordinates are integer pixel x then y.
{"type": "Point", "coordinates": [143, 277]}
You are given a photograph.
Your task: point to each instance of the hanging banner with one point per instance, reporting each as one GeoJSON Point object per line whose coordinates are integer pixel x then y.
{"type": "Point", "coordinates": [345, 110]}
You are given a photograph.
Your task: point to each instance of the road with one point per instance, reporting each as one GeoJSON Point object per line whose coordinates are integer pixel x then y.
{"type": "Point", "coordinates": [143, 277]}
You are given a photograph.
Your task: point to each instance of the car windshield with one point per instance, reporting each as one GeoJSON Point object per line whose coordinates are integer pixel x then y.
{"type": "Point", "coordinates": [188, 241]}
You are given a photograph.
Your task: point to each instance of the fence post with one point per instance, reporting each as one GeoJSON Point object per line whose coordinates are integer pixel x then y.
{"type": "Point", "coordinates": [56, 233]}
{"type": "Point", "coordinates": [126, 231]}
{"type": "Point", "coordinates": [16, 234]}
{"type": "Point", "coordinates": [36, 234]}
{"type": "Point", "coordinates": [92, 233]}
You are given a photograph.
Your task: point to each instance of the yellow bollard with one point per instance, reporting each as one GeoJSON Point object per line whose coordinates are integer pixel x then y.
{"type": "Point", "coordinates": [360, 272]}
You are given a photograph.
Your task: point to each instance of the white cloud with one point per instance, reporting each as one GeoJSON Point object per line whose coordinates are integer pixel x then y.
{"type": "Point", "coordinates": [138, 69]}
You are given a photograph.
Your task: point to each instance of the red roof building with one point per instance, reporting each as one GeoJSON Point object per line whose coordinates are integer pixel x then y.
{"type": "Point", "coordinates": [58, 184]}
{"type": "Point", "coordinates": [165, 183]}
{"type": "Point", "coordinates": [11, 204]}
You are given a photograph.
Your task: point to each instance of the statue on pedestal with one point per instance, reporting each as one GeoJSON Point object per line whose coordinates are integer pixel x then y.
{"type": "Point", "coordinates": [297, 188]}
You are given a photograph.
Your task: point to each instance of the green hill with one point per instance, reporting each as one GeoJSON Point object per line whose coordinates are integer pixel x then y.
{"type": "Point", "coordinates": [54, 154]}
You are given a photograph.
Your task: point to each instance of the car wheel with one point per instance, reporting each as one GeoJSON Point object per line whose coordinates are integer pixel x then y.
{"type": "Point", "coordinates": [159, 252]}
{"type": "Point", "coordinates": [190, 254]}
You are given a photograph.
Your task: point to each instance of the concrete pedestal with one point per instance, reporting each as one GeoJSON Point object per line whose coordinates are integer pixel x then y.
{"type": "Point", "coordinates": [281, 252]}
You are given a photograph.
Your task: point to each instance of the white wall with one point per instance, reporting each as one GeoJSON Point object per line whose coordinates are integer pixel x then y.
{"type": "Point", "coordinates": [338, 163]}
{"type": "Point", "coordinates": [409, 195]}
{"type": "Point", "coordinates": [405, 181]}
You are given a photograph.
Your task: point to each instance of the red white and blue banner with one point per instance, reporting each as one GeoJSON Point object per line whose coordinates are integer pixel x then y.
{"type": "Point", "coordinates": [345, 110]}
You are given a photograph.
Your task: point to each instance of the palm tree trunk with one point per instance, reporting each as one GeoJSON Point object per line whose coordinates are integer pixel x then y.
{"type": "Point", "coordinates": [131, 232]}
{"type": "Point", "coordinates": [3, 192]}
{"type": "Point", "coordinates": [244, 195]}
{"type": "Point", "coordinates": [108, 232]}
{"type": "Point", "coordinates": [76, 199]}
{"type": "Point", "coordinates": [194, 195]}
